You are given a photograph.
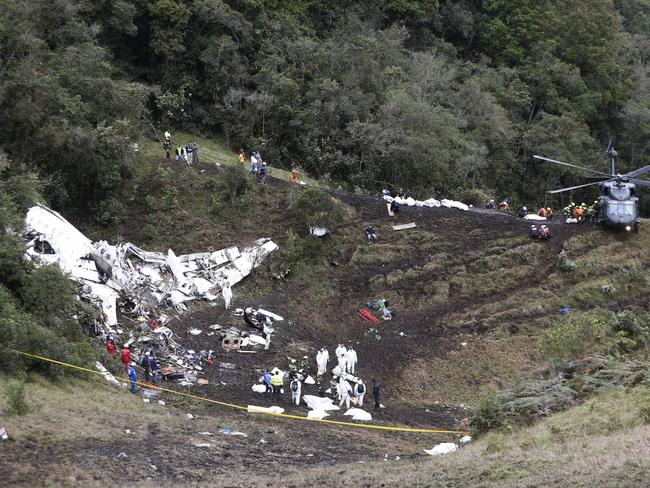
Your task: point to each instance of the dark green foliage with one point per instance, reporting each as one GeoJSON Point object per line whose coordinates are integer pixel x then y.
{"type": "Point", "coordinates": [233, 184]}
{"type": "Point", "coordinates": [314, 208]}
{"type": "Point", "coordinates": [437, 97]}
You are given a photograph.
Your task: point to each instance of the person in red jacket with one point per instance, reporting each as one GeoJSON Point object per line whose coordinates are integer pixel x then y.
{"type": "Point", "coordinates": [110, 347]}
{"type": "Point", "coordinates": [125, 356]}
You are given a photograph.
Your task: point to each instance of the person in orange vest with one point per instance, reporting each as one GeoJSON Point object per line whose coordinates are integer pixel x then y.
{"type": "Point", "coordinates": [579, 213]}
{"type": "Point", "coordinates": [293, 177]}
{"type": "Point", "coordinates": [110, 347]}
{"type": "Point", "coordinates": [549, 213]}
{"type": "Point", "coordinates": [542, 212]}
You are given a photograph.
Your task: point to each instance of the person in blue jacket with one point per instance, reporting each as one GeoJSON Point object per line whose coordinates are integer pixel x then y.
{"type": "Point", "coordinates": [133, 377]}
{"type": "Point", "coordinates": [267, 381]}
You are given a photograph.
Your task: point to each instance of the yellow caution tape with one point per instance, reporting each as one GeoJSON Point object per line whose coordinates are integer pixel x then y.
{"type": "Point", "coordinates": [239, 407]}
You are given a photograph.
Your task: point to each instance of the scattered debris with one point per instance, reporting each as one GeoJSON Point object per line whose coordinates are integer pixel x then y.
{"type": "Point", "coordinates": [202, 444]}
{"type": "Point", "coordinates": [3, 434]}
{"type": "Point", "coordinates": [146, 279]}
{"type": "Point", "coordinates": [404, 226]}
{"type": "Point", "coordinates": [106, 374]}
{"type": "Point", "coordinates": [160, 402]}
{"type": "Point", "coordinates": [318, 231]}
{"type": "Point", "coordinates": [234, 433]}
{"type": "Point", "coordinates": [122, 455]}
{"type": "Point", "coordinates": [273, 409]}
{"type": "Point", "coordinates": [189, 416]}
{"type": "Point", "coordinates": [205, 433]}
{"type": "Point", "coordinates": [444, 448]}
{"type": "Point", "coordinates": [195, 332]}
{"type": "Point", "coordinates": [465, 439]}
{"type": "Point", "coordinates": [431, 202]}
{"type": "Point", "coordinates": [259, 388]}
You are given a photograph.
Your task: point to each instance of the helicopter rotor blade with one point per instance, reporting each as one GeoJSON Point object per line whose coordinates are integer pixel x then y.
{"type": "Point", "coordinates": [640, 182]}
{"type": "Point", "coordinates": [638, 172]}
{"type": "Point", "coordinates": [560, 190]}
{"type": "Point", "coordinates": [570, 165]}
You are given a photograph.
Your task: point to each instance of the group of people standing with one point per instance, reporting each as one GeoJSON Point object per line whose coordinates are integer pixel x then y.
{"type": "Point", "coordinates": [148, 363]}
{"type": "Point", "coordinates": [259, 168]}
{"type": "Point", "coordinates": [189, 152]}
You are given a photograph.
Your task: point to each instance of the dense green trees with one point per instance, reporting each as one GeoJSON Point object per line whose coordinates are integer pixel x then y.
{"type": "Point", "coordinates": [438, 96]}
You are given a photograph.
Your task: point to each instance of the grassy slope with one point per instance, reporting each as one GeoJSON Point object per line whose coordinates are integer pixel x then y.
{"type": "Point", "coordinates": [77, 431]}
{"type": "Point", "coordinates": [214, 150]}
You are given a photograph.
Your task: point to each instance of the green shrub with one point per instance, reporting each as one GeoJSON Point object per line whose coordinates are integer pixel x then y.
{"type": "Point", "coordinates": [475, 196]}
{"type": "Point", "coordinates": [485, 415]}
{"type": "Point", "coordinates": [572, 337]}
{"type": "Point", "coordinates": [15, 403]}
{"type": "Point", "coordinates": [232, 186]}
{"type": "Point", "coordinates": [564, 263]}
{"type": "Point", "coordinates": [315, 208]}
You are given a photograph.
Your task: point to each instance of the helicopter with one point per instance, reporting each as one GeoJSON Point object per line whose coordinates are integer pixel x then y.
{"type": "Point", "coordinates": [617, 204]}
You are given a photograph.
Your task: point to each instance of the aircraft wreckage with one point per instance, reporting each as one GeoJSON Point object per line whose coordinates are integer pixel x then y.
{"type": "Point", "coordinates": [124, 274]}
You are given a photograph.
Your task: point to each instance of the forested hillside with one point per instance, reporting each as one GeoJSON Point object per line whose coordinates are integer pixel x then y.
{"type": "Point", "coordinates": [442, 97]}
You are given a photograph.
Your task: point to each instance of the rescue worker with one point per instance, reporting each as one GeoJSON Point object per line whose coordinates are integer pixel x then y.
{"type": "Point", "coordinates": [522, 212]}
{"type": "Point", "coordinates": [293, 369]}
{"type": "Point", "coordinates": [168, 136]}
{"type": "Point", "coordinates": [125, 357]}
{"type": "Point", "coordinates": [401, 193]}
{"type": "Point", "coordinates": [189, 152]}
{"type": "Point", "coordinates": [370, 232]}
{"type": "Point", "coordinates": [376, 387]}
{"type": "Point", "coordinates": [133, 377]}
{"type": "Point", "coordinates": [542, 212]}
{"type": "Point", "coordinates": [266, 378]}
{"type": "Point", "coordinates": [153, 364]}
{"type": "Point", "coordinates": [345, 390]}
{"type": "Point", "coordinates": [579, 213]}
{"type": "Point", "coordinates": [393, 209]}
{"type": "Point", "coordinates": [261, 174]}
{"type": "Point", "coordinates": [293, 176]}
{"type": "Point", "coordinates": [504, 206]}
{"type": "Point", "coordinates": [304, 365]}
{"type": "Point", "coordinates": [110, 346]}
{"type": "Point", "coordinates": [179, 153]}
{"type": "Point", "coordinates": [549, 213]}
{"type": "Point", "coordinates": [296, 388]}
{"type": "Point", "coordinates": [351, 360]}
{"type": "Point", "coordinates": [167, 146]}
{"type": "Point", "coordinates": [226, 292]}
{"type": "Point", "coordinates": [359, 392]}
{"type": "Point", "coordinates": [277, 382]}
{"type": "Point", "coordinates": [254, 164]}
{"type": "Point", "coordinates": [319, 385]}
{"type": "Point", "coordinates": [241, 156]}
{"type": "Point", "coordinates": [543, 233]}
{"type": "Point", "coordinates": [490, 205]}
{"type": "Point", "coordinates": [146, 367]}
{"type": "Point", "coordinates": [533, 231]}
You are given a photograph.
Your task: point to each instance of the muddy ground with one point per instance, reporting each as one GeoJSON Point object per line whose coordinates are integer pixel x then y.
{"type": "Point", "coordinates": [465, 323]}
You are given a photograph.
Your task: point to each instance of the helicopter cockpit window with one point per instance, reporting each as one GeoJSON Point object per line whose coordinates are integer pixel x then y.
{"type": "Point", "coordinates": [628, 209]}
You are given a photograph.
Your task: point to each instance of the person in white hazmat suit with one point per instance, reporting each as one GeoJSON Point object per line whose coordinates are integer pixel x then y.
{"type": "Point", "coordinates": [343, 362]}
{"type": "Point", "coordinates": [359, 392]}
{"type": "Point", "coordinates": [321, 361]}
{"type": "Point", "coordinates": [226, 291]}
{"type": "Point", "coordinates": [296, 387]}
{"type": "Point", "coordinates": [340, 349]}
{"type": "Point", "coordinates": [345, 391]}
{"type": "Point", "coordinates": [351, 360]}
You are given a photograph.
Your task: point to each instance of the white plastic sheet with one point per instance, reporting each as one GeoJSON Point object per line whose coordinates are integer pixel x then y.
{"type": "Point", "coordinates": [314, 402]}
{"type": "Point", "coordinates": [359, 414]}
{"type": "Point", "coordinates": [256, 409]}
{"type": "Point", "coordinates": [444, 448]}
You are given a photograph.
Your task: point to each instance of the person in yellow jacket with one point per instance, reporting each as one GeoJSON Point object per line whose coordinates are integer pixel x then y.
{"type": "Point", "coordinates": [242, 156]}
{"type": "Point", "coordinates": [277, 383]}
